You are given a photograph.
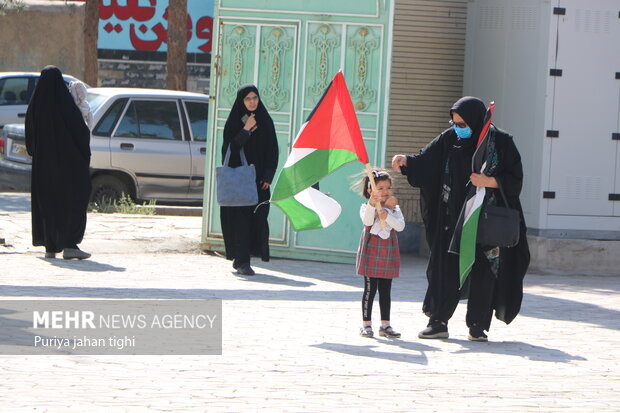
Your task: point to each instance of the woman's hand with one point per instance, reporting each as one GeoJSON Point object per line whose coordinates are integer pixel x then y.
{"type": "Point", "coordinates": [398, 161]}
{"type": "Point", "coordinates": [264, 185]}
{"type": "Point", "coordinates": [250, 124]}
{"type": "Point", "coordinates": [483, 181]}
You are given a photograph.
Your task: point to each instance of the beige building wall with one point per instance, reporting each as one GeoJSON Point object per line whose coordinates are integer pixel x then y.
{"type": "Point", "coordinates": [44, 33]}
{"type": "Point", "coordinates": [427, 78]}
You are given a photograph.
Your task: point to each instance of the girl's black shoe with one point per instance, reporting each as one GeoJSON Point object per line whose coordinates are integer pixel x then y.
{"type": "Point", "coordinates": [388, 332]}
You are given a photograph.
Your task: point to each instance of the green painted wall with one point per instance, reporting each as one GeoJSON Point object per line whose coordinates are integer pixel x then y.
{"type": "Point", "coordinates": [291, 50]}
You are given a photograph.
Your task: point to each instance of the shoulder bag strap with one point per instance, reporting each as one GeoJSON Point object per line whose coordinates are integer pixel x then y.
{"type": "Point", "coordinates": [244, 161]}
{"type": "Point", "coordinates": [501, 190]}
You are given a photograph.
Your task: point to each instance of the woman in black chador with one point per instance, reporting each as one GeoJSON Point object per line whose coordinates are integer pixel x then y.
{"type": "Point", "coordinates": [58, 140]}
{"type": "Point", "coordinates": [249, 126]}
{"type": "Point", "coordinates": [443, 171]}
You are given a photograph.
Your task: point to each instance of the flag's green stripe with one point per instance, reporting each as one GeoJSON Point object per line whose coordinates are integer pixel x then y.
{"type": "Point", "coordinates": [300, 216]}
{"type": "Point", "coordinates": [309, 170]}
{"type": "Point", "coordinates": [467, 252]}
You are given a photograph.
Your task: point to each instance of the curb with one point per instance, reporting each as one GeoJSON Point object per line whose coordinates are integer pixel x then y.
{"type": "Point", "coordinates": [182, 211]}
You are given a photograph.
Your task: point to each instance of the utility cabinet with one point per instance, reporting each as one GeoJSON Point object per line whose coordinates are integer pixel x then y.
{"type": "Point", "coordinates": [553, 69]}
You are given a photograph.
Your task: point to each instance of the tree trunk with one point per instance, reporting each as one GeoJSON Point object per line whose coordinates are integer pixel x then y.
{"type": "Point", "coordinates": [176, 59]}
{"type": "Point", "coordinates": [91, 35]}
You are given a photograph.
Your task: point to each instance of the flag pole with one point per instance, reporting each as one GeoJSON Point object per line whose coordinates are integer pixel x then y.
{"type": "Point", "coordinates": [373, 185]}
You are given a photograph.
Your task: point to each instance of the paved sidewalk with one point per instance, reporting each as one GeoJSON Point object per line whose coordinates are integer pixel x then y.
{"type": "Point", "coordinates": [290, 341]}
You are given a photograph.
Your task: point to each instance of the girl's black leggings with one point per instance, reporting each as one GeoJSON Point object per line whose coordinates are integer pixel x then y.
{"type": "Point", "coordinates": [371, 285]}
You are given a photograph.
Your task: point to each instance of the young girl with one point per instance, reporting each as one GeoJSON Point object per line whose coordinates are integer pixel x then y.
{"type": "Point", "coordinates": [378, 256]}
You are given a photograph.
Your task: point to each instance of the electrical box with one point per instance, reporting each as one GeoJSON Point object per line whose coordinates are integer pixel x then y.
{"type": "Point", "coordinates": [553, 69]}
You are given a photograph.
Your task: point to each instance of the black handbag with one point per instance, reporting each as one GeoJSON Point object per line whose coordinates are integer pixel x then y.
{"type": "Point", "coordinates": [236, 186]}
{"type": "Point", "coordinates": [499, 226]}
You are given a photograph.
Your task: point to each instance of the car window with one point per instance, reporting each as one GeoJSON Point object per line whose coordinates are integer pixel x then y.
{"type": "Point", "coordinates": [107, 122]}
{"type": "Point", "coordinates": [94, 100]}
{"type": "Point", "coordinates": [151, 120]}
{"type": "Point", "coordinates": [197, 112]}
{"type": "Point", "coordinates": [14, 91]}
{"type": "Point", "coordinates": [128, 128]}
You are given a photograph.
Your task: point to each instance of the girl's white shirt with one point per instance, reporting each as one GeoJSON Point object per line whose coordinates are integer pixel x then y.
{"type": "Point", "coordinates": [394, 220]}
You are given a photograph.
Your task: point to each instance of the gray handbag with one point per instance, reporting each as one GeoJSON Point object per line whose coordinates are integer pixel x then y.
{"type": "Point", "coordinates": [236, 186]}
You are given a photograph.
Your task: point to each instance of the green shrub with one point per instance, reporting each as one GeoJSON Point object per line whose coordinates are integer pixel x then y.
{"type": "Point", "coordinates": [125, 205]}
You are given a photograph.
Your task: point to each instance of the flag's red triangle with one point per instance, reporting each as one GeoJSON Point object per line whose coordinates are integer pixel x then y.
{"type": "Point", "coordinates": [333, 124]}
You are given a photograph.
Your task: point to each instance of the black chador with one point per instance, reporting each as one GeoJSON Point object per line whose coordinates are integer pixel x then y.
{"type": "Point", "coordinates": [442, 171]}
{"type": "Point", "coordinates": [246, 231]}
{"type": "Point", "coordinates": [59, 142]}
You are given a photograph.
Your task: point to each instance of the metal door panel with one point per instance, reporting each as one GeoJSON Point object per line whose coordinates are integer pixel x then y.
{"type": "Point", "coordinates": [274, 76]}
{"type": "Point", "coordinates": [583, 158]}
{"type": "Point", "coordinates": [319, 45]}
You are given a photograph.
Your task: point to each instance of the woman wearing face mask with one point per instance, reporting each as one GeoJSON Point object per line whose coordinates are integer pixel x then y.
{"type": "Point", "coordinates": [249, 127]}
{"type": "Point", "coordinates": [443, 172]}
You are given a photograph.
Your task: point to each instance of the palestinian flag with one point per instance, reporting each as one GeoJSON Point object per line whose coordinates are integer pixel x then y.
{"type": "Point", "coordinates": [463, 242]}
{"type": "Point", "coordinates": [329, 139]}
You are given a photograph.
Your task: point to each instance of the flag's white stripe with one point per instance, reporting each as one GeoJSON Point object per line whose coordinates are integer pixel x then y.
{"type": "Point", "coordinates": [474, 203]}
{"type": "Point", "coordinates": [296, 155]}
{"type": "Point", "coordinates": [324, 206]}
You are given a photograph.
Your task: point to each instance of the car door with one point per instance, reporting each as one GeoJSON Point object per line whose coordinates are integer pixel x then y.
{"type": "Point", "coordinates": [149, 143]}
{"type": "Point", "coordinates": [15, 94]}
{"type": "Point", "coordinates": [197, 119]}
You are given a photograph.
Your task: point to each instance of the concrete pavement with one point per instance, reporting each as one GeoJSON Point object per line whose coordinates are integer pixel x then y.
{"type": "Point", "coordinates": [290, 340]}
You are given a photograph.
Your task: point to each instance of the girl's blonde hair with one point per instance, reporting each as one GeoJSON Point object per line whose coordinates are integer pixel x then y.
{"type": "Point", "coordinates": [363, 182]}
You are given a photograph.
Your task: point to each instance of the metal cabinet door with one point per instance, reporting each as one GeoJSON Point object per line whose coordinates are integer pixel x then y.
{"type": "Point", "coordinates": [585, 110]}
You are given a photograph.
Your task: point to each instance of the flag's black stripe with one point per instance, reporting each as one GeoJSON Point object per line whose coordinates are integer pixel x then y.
{"type": "Point", "coordinates": [319, 102]}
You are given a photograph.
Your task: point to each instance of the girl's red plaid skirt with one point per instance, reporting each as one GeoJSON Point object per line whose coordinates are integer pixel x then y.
{"type": "Point", "coordinates": [378, 257]}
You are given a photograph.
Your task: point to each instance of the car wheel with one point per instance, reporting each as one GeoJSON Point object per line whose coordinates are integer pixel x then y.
{"type": "Point", "coordinates": [107, 188]}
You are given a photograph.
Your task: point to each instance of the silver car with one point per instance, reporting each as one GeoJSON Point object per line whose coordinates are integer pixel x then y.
{"type": "Point", "coordinates": [15, 91]}
{"type": "Point", "coordinates": [148, 143]}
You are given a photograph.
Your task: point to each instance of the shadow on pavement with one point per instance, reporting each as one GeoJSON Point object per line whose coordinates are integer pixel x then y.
{"type": "Point", "coordinates": [599, 284]}
{"type": "Point", "coordinates": [409, 287]}
{"type": "Point", "coordinates": [15, 201]}
{"type": "Point", "coordinates": [369, 350]}
{"type": "Point", "coordinates": [82, 265]}
{"type": "Point", "coordinates": [272, 279]}
{"type": "Point", "coordinates": [516, 348]}
{"type": "Point", "coordinates": [552, 308]}
{"type": "Point", "coordinates": [169, 293]}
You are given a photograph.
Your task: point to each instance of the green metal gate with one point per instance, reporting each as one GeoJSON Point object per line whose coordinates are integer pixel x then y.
{"type": "Point", "coordinates": [291, 49]}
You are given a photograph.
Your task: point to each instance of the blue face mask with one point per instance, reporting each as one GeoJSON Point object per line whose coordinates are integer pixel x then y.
{"type": "Point", "coordinates": [462, 133]}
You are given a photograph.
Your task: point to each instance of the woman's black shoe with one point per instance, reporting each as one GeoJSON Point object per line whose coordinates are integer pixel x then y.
{"type": "Point", "coordinates": [436, 329]}
{"type": "Point", "coordinates": [477, 334]}
{"type": "Point", "coordinates": [245, 270]}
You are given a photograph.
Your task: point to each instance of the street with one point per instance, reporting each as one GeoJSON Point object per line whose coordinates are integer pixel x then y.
{"type": "Point", "coordinates": [290, 334]}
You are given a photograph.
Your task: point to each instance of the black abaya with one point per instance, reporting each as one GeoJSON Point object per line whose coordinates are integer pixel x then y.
{"type": "Point", "coordinates": [59, 142]}
{"type": "Point", "coordinates": [245, 231]}
{"type": "Point", "coordinates": [446, 163]}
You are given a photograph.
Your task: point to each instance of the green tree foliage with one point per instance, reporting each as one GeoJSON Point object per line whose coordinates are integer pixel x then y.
{"type": "Point", "coordinates": [10, 5]}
